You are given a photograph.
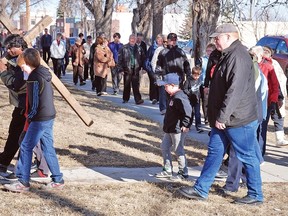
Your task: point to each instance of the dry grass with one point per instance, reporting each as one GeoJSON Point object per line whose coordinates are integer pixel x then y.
{"type": "Point", "coordinates": [119, 138]}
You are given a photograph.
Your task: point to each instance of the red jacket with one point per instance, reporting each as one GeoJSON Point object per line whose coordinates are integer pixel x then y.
{"type": "Point", "coordinates": [273, 85]}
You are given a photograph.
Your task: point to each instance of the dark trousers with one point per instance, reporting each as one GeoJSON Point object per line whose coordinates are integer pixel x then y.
{"type": "Point", "coordinates": [65, 63]}
{"type": "Point", "coordinates": [116, 79]}
{"type": "Point", "coordinates": [196, 113]}
{"type": "Point", "coordinates": [134, 80]}
{"type": "Point", "coordinates": [100, 84]}
{"type": "Point", "coordinates": [153, 89]}
{"type": "Point", "coordinates": [57, 66]}
{"type": "Point", "coordinates": [15, 130]}
{"type": "Point", "coordinates": [204, 100]}
{"type": "Point", "coordinates": [77, 72]}
{"type": "Point", "coordinates": [86, 71]}
{"type": "Point", "coordinates": [46, 54]}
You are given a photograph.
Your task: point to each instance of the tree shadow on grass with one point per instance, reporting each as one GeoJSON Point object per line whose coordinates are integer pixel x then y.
{"type": "Point", "coordinates": [65, 202]}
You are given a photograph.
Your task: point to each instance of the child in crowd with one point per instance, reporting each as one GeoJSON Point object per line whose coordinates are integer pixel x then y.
{"type": "Point", "coordinates": [41, 115]}
{"type": "Point", "coordinates": [192, 89]}
{"type": "Point", "coordinates": [177, 122]}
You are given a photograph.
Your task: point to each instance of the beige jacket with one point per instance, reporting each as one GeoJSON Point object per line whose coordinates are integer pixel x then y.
{"type": "Point", "coordinates": [102, 57]}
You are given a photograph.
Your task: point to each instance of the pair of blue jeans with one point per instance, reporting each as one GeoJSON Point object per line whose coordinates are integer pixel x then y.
{"type": "Point", "coordinates": [197, 114]}
{"type": "Point", "coordinates": [38, 131]}
{"type": "Point", "coordinates": [243, 140]}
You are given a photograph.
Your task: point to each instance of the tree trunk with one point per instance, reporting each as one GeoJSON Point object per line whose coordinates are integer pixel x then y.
{"type": "Point", "coordinates": [205, 14]}
{"type": "Point", "coordinates": [103, 18]}
{"type": "Point", "coordinates": [151, 11]}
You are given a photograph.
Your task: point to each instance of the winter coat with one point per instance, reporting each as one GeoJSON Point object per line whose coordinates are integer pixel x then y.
{"type": "Point", "coordinates": [77, 54]}
{"type": "Point", "coordinates": [232, 96]}
{"type": "Point", "coordinates": [58, 51]}
{"type": "Point", "coordinates": [273, 85]}
{"type": "Point", "coordinates": [102, 57]}
{"type": "Point", "coordinates": [124, 57]}
{"type": "Point", "coordinates": [178, 113]}
{"type": "Point", "coordinates": [173, 60]}
{"type": "Point", "coordinates": [40, 95]}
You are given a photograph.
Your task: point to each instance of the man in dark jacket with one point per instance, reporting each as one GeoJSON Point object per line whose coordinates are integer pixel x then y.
{"type": "Point", "coordinates": [46, 41]}
{"type": "Point", "coordinates": [130, 61]}
{"type": "Point", "coordinates": [232, 117]}
{"type": "Point", "coordinates": [173, 60]}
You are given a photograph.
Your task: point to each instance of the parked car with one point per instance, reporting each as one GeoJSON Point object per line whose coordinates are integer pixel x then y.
{"type": "Point", "coordinates": [188, 48]}
{"type": "Point", "coordinates": [279, 45]}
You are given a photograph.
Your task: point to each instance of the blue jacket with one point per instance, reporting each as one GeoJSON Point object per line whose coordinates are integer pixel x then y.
{"type": "Point", "coordinates": [115, 47]}
{"type": "Point", "coordinates": [149, 56]}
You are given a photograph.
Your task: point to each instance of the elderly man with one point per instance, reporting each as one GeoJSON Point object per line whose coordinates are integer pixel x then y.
{"type": "Point", "coordinates": [130, 60]}
{"type": "Point", "coordinates": [232, 117]}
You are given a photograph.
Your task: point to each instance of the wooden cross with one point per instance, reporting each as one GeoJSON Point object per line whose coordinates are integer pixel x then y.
{"type": "Point", "coordinates": [36, 30]}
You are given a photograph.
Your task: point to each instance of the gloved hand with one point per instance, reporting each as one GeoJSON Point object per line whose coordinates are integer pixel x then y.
{"type": "Point", "coordinates": [273, 107]}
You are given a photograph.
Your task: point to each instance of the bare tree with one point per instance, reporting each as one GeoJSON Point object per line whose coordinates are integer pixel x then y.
{"type": "Point", "coordinates": [147, 12]}
{"type": "Point", "coordinates": [205, 15]}
{"type": "Point", "coordinates": [102, 12]}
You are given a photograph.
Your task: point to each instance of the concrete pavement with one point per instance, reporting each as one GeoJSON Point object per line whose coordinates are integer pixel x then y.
{"type": "Point", "coordinates": [275, 168]}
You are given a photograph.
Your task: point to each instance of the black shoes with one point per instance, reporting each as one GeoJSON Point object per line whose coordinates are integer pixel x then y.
{"type": "Point", "coordinates": [247, 200]}
{"type": "Point", "coordinates": [140, 102]}
{"type": "Point", "coordinates": [190, 193]}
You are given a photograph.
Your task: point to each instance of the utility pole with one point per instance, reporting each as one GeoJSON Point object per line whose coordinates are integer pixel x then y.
{"type": "Point", "coordinates": [28, 15]}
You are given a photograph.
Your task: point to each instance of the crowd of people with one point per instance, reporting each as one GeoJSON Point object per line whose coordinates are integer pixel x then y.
{"type": "Point", "coordinates": [229, 81]}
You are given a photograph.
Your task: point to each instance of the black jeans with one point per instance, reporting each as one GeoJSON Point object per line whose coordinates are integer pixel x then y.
{"type": "Point", "coordinates": [100, 84]}
{"type": "Point", "coordinates": [15, 130]}
{"type": "Point", "coordinates": [133, 79]}
{"type": "Point", "coordinates": [57, 66]}
{"type": "Point", "coordinates": [153, 89]}
{"type": "Point", "coordinates": [46, 54]}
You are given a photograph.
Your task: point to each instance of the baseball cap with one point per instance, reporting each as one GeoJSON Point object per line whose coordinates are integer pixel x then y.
{"type": "Point", "coordinates": [172, 36]}
{"type": "Point", "coordinates": [224, 28]}
{"type": "Point", "coordinates": [171, 78]}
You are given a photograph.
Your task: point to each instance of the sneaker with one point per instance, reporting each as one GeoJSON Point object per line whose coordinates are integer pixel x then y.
{"type": "Point", "coordinates": [38, 175]}
{"type": "Point", "coordinates": [124, 101]}
{"type": "Point", "coordinates": [199, 130]}
{"type": "Point", "coordinates": [53, 186]}
{"type": "Point", "coordinates": [140, 102]}
{"type": "Point", "coordinates": [11, 177]}
{"type": "Point", "coordinates": [163, 112]}
{"type": "Point", "coordinates": [115, 93]}
{"type": "Point", "coordinates": [179, 177]}
{"type": "Point", "coordinates": [99, 93]}
{"type": "Point", "coordinates": [82, 83]}
{"type": "Point", "coordinates": [154, 101]}
{"type": "Point", "coordinates": [16, 187]}
{"type": "Point", "coordinates": [221, 174]}
{"type": "Point", "coordinates": [163, 174]}
{"type": "Point", "coordinates": [104, 93]}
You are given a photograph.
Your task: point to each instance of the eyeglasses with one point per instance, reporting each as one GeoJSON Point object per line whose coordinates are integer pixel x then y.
{"type": "Point", "coordinates": [218, 37]}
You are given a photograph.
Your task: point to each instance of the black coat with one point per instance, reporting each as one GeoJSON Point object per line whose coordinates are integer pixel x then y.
{"type": "Point", "coordinates": [232, 97]}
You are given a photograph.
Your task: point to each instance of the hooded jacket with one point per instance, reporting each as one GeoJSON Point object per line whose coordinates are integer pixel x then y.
{"type": "Point", "coordinates": [40, 95]}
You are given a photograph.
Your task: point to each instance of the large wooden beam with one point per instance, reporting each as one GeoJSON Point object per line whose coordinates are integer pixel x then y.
{"type": "Point", "coordinates": [83, 115]}
{"type": "Point", "coordinates": [37, 29]}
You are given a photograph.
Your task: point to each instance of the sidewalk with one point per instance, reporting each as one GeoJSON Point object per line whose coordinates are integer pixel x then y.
{"type": "Point", "coordinates": [275, 168]}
